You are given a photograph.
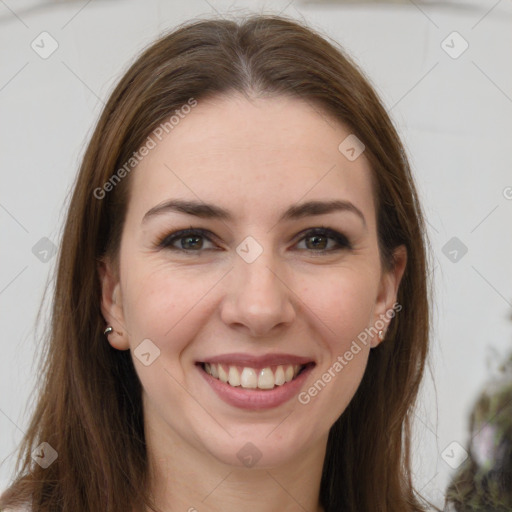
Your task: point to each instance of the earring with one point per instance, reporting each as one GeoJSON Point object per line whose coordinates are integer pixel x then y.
{"type": "Point", "coordinates": [108, 330]}
{"type": "Point", "coordinates": [381, 335]}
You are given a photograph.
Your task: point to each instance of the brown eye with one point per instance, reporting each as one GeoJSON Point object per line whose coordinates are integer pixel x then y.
{"type": "Point", "coordinates": [317, 240]}
{"type": "Point", "coordinates": [192, 242]}
{"type": "Point", "coordinates": [325, 240]}
{"type": "Point", "coordinates": [186, 240]}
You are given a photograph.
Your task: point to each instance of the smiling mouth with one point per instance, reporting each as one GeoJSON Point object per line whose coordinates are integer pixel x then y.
{"type": "Point", "coordinates": [267, 378]}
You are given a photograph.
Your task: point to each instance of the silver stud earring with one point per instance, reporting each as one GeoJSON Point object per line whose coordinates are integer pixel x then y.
{"type": "Point", "coordinates": [108, 330]}
{"type": "Point", "coordinates": [381, 335]}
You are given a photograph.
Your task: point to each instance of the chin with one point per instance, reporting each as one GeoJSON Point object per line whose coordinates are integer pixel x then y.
{"type": "Point", "coordinates": [259, 447]}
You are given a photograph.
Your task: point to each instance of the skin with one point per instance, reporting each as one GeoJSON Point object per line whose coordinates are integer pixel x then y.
{"type": "Point", "coordinates": [254, 157]}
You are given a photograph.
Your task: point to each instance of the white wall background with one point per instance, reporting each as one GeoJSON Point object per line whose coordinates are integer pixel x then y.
{"type": "Point", "coordinates": [455, 116]}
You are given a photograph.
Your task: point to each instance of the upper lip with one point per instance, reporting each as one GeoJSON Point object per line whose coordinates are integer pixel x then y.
{"type": "Point", "coordinates": [257, 362]}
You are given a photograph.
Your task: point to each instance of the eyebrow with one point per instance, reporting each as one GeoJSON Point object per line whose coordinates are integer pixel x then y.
{"type": "Point", "coordinates": [211, 211]}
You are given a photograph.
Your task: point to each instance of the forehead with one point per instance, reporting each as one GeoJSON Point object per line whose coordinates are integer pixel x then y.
{"type": "Point", "coordinates": [242, 154]}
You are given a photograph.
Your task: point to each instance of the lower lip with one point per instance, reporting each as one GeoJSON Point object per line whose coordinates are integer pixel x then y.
{"type": "Point", "coordinates": [256, 399]}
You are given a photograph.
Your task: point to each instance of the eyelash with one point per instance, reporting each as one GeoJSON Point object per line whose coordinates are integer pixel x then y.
{"type": "Point", "coordinates": [341, 240]}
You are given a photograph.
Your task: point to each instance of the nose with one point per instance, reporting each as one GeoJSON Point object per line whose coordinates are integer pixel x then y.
{"type": "Point", "coordinates": [259, 299]}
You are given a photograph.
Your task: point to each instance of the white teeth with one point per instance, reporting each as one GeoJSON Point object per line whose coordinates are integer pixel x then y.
{"type": "Point", "coordinates": [266, 379]}
{"type": "Point", "coordinates": [223, 376]}
{"type": "Point", "coordinates": [250, 378]}
{"type": "Point", "coordinates": [279, 377]}
{"type": "Point", "coordinates": [233, 377]}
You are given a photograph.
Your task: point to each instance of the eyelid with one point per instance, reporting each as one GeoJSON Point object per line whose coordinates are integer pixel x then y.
{"type": "Point", "coordinates": [340, 238]}
{"type": "Point", "coordinates": [182, 233]}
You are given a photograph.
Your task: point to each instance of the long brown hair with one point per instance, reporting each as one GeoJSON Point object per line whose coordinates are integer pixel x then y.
{"type": "Point", "coordinates": [89, 408]}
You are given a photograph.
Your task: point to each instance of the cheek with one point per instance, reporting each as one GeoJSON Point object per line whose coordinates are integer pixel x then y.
{"type": "Point", "coordinates": [342, 304]}
{"type": "Point", "coordinates": [343, 312]}
{"type": "Point", "coordinates": [164, 307]}
{"type": "Point", "coordinates": [342, 309]}
{"type": "Point", "coordinates": [163, 304]}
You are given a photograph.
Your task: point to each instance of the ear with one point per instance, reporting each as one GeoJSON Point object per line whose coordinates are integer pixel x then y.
{"type": "Point", "coordinates": [112, 304]}
{"type": "Point", "coordinates": [388, 290]}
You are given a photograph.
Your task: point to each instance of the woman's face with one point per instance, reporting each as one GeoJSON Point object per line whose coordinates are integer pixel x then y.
{"type": "Point", "coordinates": [257, 289]}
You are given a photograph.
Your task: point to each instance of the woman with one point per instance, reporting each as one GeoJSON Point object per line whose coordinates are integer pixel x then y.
{"type": "Point", "coordinates": [241, 312]}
